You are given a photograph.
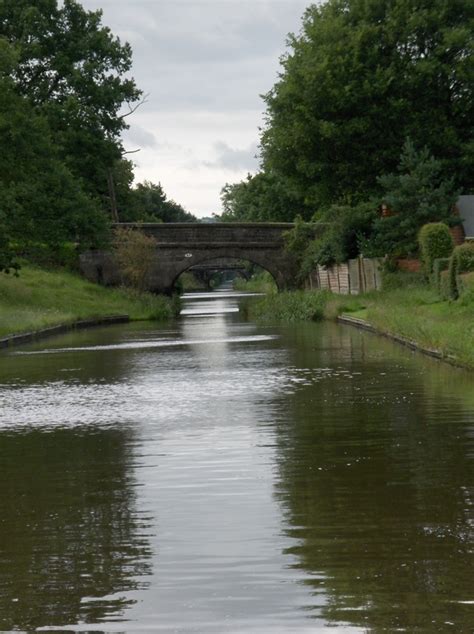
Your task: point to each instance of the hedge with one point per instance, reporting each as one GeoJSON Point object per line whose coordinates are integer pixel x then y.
{"type": "Point", "coordinates": [462, 261]}
{"type": "Point", "coordinates": [435, 242]}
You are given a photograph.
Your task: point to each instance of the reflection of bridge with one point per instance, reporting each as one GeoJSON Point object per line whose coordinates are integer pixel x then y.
{"type": "Point", "coordinates": [181, 246]}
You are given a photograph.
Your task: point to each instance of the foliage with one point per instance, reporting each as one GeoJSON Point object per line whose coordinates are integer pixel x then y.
{"type": "Point", "coordinates": [349, 228]}
{"type": "Point", "coordinates": [435, 242]}
{"type": "Point", "coordinates": [395, 280]}
{"type": "Point", "coordinates": [360, 78]}
{"type": "Point", "coordinates": [261, 282]}
{"type": "Point", "coordinates": [289, 306]}
{"type": "Point", "coordinates": [8, 261]}
{"type": "Point", "coordinates": [464, 256]}
{"type": "Point", "coordinates": [298, 241]}
{"type": "Point", "coordinates": [416, 195]}
{"type": "Point", "coordinates": [462, 261]}
{"type": "Point", "coordinates": [135, 254]}
{"type": "Point", "coordinates": [466, 288]}
{"type": "Point", "coordinates": [407, 306]}
{"type": "Point", "coordinates": [39, 298]}
{"type": "Point", "coordinates": [259, 198]}
{"type": "Point", "coordinates": [74, 73]}
{"type": "Point", "coordinates": [40, 199]}
{"type": "Point", "coordinates": [342, 230]}
{"type": "Point", "coordinates": [147, 202]}
{"type": "Point", "coordinates": [440, 265]}
{"type": "Point", "coordinates": [298, 237]}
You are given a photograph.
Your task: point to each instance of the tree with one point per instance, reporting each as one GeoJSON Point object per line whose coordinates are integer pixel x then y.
{"type": "Point", "coordinates": [417, 194]}
{"type": "Point", "coordinates": [361, 77]}
{"type": "Point", "coordinates": [40, 199]}
{"type": "Point", "coordinates": [73, 71]}
{"type": "Point", "coordinates": [259, 198]}
{"type": "Point", "coordinates": [147, 202]}
{"type": "Point", "coordinates": [135, 253]}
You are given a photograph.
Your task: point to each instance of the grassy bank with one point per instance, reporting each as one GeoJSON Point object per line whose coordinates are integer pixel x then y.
{"type": "Point", "coordinates": [38, 299]}
{"type": "Point", "coordinates": [260, 283]}
{"type": "Point", "coordinates": [408, 307]}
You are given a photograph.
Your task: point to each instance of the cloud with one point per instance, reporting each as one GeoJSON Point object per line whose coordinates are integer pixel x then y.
{"type": "Point", "coordinates": [232, 159]}
{"type": "Point", "coordinates": [137, 135]}
{"type": "Point", "coordinates": [203, 65]}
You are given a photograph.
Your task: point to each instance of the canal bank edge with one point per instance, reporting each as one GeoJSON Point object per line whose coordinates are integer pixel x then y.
{"type": "Point", "coordinates": [43, 333]}
{"type": "Point", "coordinates": [356, 322]}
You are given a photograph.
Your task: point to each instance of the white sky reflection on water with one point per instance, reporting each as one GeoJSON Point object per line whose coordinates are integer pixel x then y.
{"type": "Point", "coordinates": [139, 345]}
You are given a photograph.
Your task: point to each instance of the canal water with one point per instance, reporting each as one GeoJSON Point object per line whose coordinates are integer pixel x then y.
{"type": "Point", "coordinates": [217, 476]}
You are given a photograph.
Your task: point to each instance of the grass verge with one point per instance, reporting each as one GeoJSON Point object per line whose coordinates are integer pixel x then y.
{"type": "Point", "coordinates": [409, 308]}
{"type": "Point", "coordinates": [39, 299]}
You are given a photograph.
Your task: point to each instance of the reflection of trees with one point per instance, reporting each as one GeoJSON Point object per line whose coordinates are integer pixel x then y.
{"type": "Point", "coordinates": [68, 527]}
{"type": "Point", "coordinates": [112, 365]}
{"type": "Point", "coordinates": [374, 477]}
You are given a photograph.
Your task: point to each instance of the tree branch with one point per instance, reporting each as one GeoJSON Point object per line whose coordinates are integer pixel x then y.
{"type": "Point", "coordinates": [132, 109]}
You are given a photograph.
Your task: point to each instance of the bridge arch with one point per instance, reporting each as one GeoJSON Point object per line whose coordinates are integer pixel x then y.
{"type": "Point", "coordinates": [209, 259]}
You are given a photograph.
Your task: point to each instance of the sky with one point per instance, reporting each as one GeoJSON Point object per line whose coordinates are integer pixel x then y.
{"type": "Point", "coordinates": [203, 65]}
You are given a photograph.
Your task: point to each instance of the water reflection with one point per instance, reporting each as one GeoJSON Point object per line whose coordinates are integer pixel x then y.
{"type": "Point", "coordinates": [216, 476]}
{"type": "Point", "coordinates": [376, 484]}
{"type": "Point", "coordinates": [72, 544]}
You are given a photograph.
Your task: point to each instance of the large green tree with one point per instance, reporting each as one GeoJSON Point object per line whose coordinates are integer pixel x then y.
{"type": "Point", "coordinates": [361, 76]}
{"type": "Point", "coordinates": [41, 201]}
{"type": "Point", "coordinates": [74, 72]}
{"type": "Point", "coordinates": [259, 198]}
{"type": "Point", "coordinates": [147, 202]}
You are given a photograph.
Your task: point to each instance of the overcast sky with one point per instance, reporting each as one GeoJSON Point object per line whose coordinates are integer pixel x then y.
{"type": "Point", "coordinates": [205, 64]}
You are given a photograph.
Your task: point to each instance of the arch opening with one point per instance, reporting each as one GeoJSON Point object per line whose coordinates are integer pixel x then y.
{"type": "Point", "coordinates": [210, 272]}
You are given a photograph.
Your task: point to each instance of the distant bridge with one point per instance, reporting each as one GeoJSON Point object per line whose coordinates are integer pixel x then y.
{"type": "Point", "coordinates": [182, 246]}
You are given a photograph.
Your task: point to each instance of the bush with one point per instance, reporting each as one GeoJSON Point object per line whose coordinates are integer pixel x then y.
{"type": "Point", "coordinates": [344, 229]}
{"type": "Point", "coordinates": [8, 261]}
{"type": "Point", "coordinates": [134, 253]}
{"type": "Point", "coordinates": [466, 289]}
{"type": "Point", "coordinates": [445, 284]}
{"type": "Point", "coordinates": [435, 242]}
{"type": "Point", "coordinates": [440, 265]}
{"type": "Point", "coordinates": [464, 255]}
{"type": "Point", "coordinates": [462, 261]}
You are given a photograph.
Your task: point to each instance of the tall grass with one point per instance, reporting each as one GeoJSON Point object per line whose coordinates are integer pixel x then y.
{"type": "Point", "coordinates": [38, 299]}
{"type": "Point", "coordinates": [288, 306]}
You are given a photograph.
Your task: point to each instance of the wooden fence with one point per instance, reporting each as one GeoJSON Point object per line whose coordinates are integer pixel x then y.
{"type": "Point", "coordinates": [350, 278]}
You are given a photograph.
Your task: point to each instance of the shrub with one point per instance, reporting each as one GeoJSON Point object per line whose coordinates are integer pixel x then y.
{"type": "Point", "coordinates": [466, 288]}
{"type": "Point", "coordinates": [134, 253]}
{"type": "Point", "coordinates": [435, 241]}
{"type": "Point", "coordinates": [462, 261]}
{"type": "Point", "coordinates": [440, 265]}
{"type": "Point", "coordinates": [8, 261]}
{"type": "Point", "coordinates": [445, 284]}
{"type": "Point", "coordinates": [344, 229]}
{"type": "Point", "coordinates": [464, 255]}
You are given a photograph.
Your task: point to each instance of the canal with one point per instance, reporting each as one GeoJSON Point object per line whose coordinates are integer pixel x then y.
{"type": "Point", "coordinates": [215, 476]}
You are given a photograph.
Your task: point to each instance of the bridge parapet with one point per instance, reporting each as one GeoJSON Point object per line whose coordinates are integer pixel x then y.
{"type": "Point", "coordinates": [174, 233]}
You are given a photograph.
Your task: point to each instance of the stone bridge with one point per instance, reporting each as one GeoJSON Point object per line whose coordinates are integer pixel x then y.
{"type": "Point", "coordinates": [181, 246]}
